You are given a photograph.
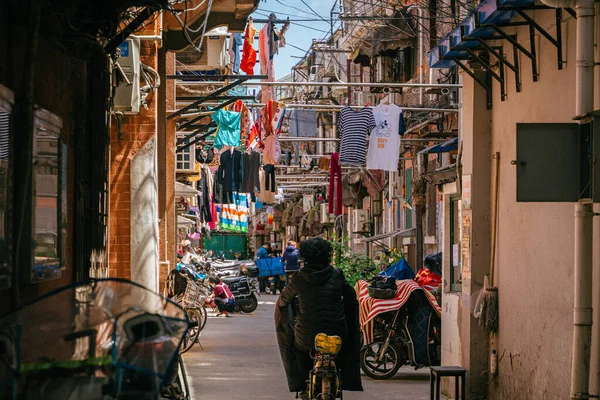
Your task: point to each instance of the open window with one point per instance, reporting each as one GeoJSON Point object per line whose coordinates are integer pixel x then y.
{"type": "Point", "coordinates": [49, 197]}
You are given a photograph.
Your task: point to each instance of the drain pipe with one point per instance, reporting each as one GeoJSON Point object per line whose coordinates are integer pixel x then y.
{"type": "Point", "coordinates": [583, 302]}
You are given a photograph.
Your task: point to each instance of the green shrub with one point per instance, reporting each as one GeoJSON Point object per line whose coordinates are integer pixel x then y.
{"type": "Point", "coordinates": [353, 265]}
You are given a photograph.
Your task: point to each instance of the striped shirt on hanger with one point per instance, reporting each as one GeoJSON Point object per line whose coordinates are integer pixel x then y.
{"type": "Point", "coordinates": [353, 127]}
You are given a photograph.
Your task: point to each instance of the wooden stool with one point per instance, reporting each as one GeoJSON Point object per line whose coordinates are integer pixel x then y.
{"type": "Point", "coordinates": [436, 376]}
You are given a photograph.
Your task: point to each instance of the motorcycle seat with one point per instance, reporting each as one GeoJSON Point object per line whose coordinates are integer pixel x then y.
{"type": "Point", "coordinates": [232, 279]}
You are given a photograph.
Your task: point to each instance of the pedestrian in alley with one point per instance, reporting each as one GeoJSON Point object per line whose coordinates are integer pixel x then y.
{"type": "Point", "coordinates": [291, 258]}
{"type": "Point", "coordinates": [322, 301]}
{"type": "Point", "coordinates": [261, 254]}
{"type": "Point", "coordinates": [221, 297]}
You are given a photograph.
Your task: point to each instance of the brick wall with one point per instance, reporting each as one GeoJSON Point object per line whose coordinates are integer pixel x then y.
{"type": "Point", "coordinates": [137, 130]}
{"type": "Point", "coordinates": [168, 219]}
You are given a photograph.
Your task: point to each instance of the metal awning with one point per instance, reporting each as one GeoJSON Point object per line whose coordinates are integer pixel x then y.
{"type": "Point", "coordinates": [183, 221]}
{"type": "Point", "coordinates": [183, 190]}
{"type": "Point", "coordinates": [445, 147]}
{"type": "Point", "coordinates": [404, 233]}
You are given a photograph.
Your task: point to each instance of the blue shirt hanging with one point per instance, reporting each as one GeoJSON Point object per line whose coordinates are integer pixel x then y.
{"type": "Point", "coordinates": [229, 128]}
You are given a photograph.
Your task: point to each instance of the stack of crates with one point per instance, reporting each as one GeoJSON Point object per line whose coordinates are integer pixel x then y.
{"type": "Point", "coordinates": [270, 267]}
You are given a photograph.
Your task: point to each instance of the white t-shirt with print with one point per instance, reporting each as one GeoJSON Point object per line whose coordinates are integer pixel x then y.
{"type": "Point", "coordinates": [384, 145]}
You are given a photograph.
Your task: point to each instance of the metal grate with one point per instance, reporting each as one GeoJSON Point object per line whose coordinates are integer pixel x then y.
{"type": "Point", "coordinates": [91, 177]}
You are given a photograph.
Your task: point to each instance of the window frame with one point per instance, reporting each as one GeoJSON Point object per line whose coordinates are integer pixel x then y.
{"type": "Point", "coordinates": [408, 212]}
{"type": "Point", "coordinates": [192, 153]}
{"type": "Point", "coordinates": [454, 286]}
{"type": "Point", "coordinates": [46, 121]}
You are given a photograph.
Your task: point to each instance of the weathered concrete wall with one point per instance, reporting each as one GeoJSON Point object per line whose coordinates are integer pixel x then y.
{"type": "Point", "coordinates": [535, 240]}
{"type": "Point", "coordinates": [144, 216]}
{"type": "Point", "coordinates": [534, 262]}
{"type": "Point", "coordinates": [137, 131]}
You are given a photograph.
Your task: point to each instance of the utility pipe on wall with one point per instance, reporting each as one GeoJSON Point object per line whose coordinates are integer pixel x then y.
{"type": "Point", "coordinates": [583, 301]}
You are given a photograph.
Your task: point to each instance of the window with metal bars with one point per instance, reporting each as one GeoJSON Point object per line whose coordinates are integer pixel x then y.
{"type": "Point", "coordinates": [186, 157]}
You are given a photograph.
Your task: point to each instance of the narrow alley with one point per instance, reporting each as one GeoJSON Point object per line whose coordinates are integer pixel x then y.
{"type": "Point", "coordinates": [239, 360]}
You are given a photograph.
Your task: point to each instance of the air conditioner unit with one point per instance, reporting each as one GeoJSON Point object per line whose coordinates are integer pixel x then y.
{"type": "Point", "coordinates": [325, 219]}
{"type": "Point", "coordinates": [127, 96]}
{"type": "Point", "coordinates": [216, 51]}
{"type": "Point", "coordinates": [360, 221]}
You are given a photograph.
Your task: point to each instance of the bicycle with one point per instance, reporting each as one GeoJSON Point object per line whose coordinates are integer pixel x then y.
{"type": "Point", "coordinates": [192, 301]}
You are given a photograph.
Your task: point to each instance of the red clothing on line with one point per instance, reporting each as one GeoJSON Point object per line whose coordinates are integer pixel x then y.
{"type": "Point", "coordinates": [335, 169]}
{"type": "Point", "coordinates": [248, 60]}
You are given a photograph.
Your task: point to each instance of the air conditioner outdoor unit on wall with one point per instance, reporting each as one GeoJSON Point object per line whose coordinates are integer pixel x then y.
{"type": "Point", "coordinates": [127, 96]}
{"type": "Point", "coordinates": [360, 221]}
{"type": "Point", "coordinates": [215, 51]}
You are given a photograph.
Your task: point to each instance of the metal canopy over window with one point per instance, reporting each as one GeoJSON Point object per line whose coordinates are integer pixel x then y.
{"type": "Point", "coordinates": [467, 42]}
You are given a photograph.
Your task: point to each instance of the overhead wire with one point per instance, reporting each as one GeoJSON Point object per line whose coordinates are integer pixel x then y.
{"type": "Point", "coordinates": [295, 8]}
{"type": "Point", "coordinates": [310, 8]}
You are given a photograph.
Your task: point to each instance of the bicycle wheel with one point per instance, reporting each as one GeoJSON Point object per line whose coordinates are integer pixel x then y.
{"type": "Point", "coordinates": [203, 316]}
{"type": "Point", "coordinates": [191, 335]}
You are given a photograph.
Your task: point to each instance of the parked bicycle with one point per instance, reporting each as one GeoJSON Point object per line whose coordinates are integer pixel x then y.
{"type": "Point", "coordinates": [191, 299]}
{"type": "Point", "coordinates": [104, 339]}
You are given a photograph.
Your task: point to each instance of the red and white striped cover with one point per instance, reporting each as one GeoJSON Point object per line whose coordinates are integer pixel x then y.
{"type": "Point", "coordinates": [369, 307]}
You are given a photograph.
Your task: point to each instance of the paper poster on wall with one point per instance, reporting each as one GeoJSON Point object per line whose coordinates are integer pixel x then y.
{"type": "Point", "coordinates": [455, 251]}
{"type": "Point", "coordinates": [466, 191]}
{"type": "Point", "coordinates": [466, 250]}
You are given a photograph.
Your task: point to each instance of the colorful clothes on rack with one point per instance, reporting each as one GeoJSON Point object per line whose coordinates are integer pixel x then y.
{"type": "Point", "coordinates": [384, 146]}
{"type": "Point", "coordinates": [353, 127]}
{"type": "Point", "coordinates": [205, 186]}
{"type": "Point", "coordinates": [270, 177]}
{"type": "Point", "coordinates": [245, 120]}
{"type": "Point", "coordinates": [303, 123]}
{"type": "Point", "coordinates": [248, 53]}
{"type": "Point", "coordinates": [272, 116]}
{"type": "Point", "coordinates": [335, 185]}
{"type": "Point", "coordinates": [264, 196]}
{"type": "Point", "coordinates": [234, 216]}
{"type": "Point", "coordinates": [250, 176]}
{"type": "Point", "coordinates": [230, 174]}
{"type": "Point", "coordinates": [236, 41]}
{"type": "Point", "coordinates": [228, 123]}
{"type": "Point", "coordinates": [272, 150]}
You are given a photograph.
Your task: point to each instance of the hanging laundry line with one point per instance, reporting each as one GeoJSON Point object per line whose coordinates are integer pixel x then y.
{"type": "Point", "coordinates": [306, 139]}
{"type": "Point", "coordinates": [335, 107]}
{"type": "Point", "coordinates": [391, 85]}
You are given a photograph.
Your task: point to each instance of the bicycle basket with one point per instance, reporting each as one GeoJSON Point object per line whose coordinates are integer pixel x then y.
{"type": "Point", "coordinates": [192, 295]}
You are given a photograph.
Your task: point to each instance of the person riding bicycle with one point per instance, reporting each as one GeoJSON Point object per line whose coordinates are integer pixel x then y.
{"type": "Point", "coordinates": [221, 296]}
{"type": "Point", "coordinates": [323, 302]}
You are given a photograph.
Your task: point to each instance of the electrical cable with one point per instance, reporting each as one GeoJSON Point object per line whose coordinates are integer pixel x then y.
{"type": "Point", "coordinates": [295, 8]}
{"type": "Point", "coordinates": [314, 12]}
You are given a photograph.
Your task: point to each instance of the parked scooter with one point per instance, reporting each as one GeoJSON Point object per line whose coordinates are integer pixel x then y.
{"type": "Point", "coordinates": [407, 336]}
{"type": "Point", "coordinates": [243, 293]}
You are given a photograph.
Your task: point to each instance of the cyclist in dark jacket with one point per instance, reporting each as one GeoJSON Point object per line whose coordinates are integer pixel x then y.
{"type": "Point", "coordinates": [326, 304]}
